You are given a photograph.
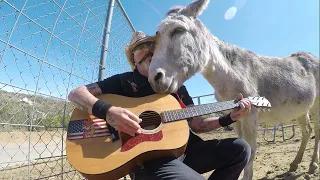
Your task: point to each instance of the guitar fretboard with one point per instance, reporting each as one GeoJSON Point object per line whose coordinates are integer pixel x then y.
{"type": "Point", "coordinates": [199, 110]}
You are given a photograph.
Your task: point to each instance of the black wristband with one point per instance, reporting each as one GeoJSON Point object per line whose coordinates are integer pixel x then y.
{"type": "Point", "coordinates": [100, 109]}
{"type": "Point", "coordinates": [225, 120]}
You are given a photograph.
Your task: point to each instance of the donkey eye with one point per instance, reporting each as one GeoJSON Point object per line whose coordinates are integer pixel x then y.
{"type": "Point", "coordinates": [177, 30]}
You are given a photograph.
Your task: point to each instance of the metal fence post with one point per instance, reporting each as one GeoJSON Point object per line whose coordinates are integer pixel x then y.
{"type": "Point", "coordinates": [125, 15]}
{"type": "Point", "coordinates": [105, 40]}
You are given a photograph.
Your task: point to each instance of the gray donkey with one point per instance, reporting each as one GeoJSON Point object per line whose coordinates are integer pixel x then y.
{"type": "Point", "coordinates": [185, 46]}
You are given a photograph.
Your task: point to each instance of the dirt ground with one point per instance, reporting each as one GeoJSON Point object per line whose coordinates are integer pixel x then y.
{"type": "Point", "coordinates": [272, 159]}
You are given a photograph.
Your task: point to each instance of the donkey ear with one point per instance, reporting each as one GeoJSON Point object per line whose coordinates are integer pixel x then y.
{"type": "Point", "coordinates": [195, 8]}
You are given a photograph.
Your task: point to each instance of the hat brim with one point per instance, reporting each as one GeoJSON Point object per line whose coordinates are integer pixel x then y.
{"type": "Point", "coordinates": [129, 49]}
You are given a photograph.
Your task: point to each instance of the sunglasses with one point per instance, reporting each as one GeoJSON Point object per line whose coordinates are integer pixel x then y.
{"type": "Point", "coordinates": [141, 46]}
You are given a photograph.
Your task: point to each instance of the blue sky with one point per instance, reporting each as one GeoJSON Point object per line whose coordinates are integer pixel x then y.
{"type": "Point", "coordinates": [267, 27]}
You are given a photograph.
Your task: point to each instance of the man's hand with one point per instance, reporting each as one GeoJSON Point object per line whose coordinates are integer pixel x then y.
{"type": "Point", "coordinates": [124, 120]}
{"type": "Point", "coordinates": [243, 110]}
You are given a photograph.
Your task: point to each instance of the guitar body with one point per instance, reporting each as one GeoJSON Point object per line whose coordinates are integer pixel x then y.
{"type": "Point", "coordinates": [100, 158]}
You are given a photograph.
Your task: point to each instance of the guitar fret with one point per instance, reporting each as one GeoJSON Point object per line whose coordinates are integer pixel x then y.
{"type": "Point", "coordinates": [189, 114]}
{"type": "Point", "coordinates": [202, 109]}
{"type": "Point", "coordinates": [178, 113]}
{"type": "Point", "coordinates": [184, 113]}
{"type": "Point", "coordinates": [166, 116]}
{"type": "Point", "coordinates": [196, 111]}
{"type": "Point", "coordinates": [170, 115]}
{"type": "Point", "coordinates": [207, 109]}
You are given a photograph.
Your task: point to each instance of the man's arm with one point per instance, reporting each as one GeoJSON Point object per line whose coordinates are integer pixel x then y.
{"type": "Point", "coordinates": [198, 124]}
{"type": "Point", "coordinates": [84, 98]}
{"type": "Point", "coordinates": [202, 125]}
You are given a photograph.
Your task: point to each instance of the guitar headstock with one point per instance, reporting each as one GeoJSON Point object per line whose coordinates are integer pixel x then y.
{"type": "Point", "coordinates": [260, 102]}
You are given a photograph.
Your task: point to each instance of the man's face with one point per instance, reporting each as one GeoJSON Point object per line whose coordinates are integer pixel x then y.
{"type": "Point", "coordinates": [142, 55]}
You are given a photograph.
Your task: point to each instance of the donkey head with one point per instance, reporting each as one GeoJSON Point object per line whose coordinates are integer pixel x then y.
{"type": "Point", "coordinates": [181, 48]}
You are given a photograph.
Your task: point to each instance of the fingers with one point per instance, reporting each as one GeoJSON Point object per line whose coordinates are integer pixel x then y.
{"type": "Point", "coordinates": [133, 117]}
{"type": "Point", "coordinates": [239, 96]}
{"type": "Point", "coordinates": [134, 121]}
{"type": "Point", "coordinates": [243, 109]}
{"type": "Point", "coordinates": [245, 105]}
{"type": "Point", "coordinates": [125, 121]}
{"type": "Point", "coordinates": [133, 125]}
{"type": "Point", "coordinates": [127, 129]}
{"type": "Point", "coordinates": [129, 126]}
{"type": "Point", "coordinates": [242, 105]}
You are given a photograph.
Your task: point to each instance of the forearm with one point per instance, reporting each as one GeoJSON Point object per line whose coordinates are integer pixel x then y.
{"type": "Point", "coordinates": [82, 98]}
{"type": "Point", "coordinates": [201, 125]}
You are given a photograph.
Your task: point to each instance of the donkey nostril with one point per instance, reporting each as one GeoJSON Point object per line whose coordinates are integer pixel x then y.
{"type": "Point", "coordinates": [158, 76]}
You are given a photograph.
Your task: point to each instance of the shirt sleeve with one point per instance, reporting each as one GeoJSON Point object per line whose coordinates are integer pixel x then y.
{"type": "Point", "coordinates": [184, 95]}
{"type": "Point", "coordinates": [111, 85]}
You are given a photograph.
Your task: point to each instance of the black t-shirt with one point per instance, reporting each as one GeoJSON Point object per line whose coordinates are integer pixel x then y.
{"type": "Point", "coordinates": [133, 84]}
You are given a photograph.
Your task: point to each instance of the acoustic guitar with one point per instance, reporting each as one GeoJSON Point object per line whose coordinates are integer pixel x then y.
{"type": "Point", "coordinates": [99, 154]}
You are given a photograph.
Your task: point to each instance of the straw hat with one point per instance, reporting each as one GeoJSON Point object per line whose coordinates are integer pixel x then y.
{"type": "Point", "coordinates": [137, 38]}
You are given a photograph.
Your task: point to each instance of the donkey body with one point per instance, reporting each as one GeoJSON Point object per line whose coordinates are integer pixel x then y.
{"type": "Point", "coordinates": [185, 46]}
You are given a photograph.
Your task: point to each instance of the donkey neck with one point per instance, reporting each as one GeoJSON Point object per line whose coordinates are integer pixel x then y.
{"type": "Point", "coordinates": [223, 70]}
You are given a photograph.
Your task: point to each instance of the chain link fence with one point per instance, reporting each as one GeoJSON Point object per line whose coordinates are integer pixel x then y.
{"type": "Point", "coordinates": [47, 48]}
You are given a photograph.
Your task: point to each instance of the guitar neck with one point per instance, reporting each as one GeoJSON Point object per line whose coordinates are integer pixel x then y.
{"type": "Point", "coordinates": [199, 110]}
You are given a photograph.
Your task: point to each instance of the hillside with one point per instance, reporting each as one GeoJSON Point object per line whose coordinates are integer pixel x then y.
{"type": "Point", "coordinates": [17, 108]}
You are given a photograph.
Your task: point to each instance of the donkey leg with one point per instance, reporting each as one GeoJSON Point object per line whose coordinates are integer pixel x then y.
{"type": "Point", "coordinates": [306, 129]}
{"type": "Point", "coordinates": [237, 128]}
{"type": "Point", "coordinates": [316, 121]}
{"type": "Point", "coordinates": [249, 132]}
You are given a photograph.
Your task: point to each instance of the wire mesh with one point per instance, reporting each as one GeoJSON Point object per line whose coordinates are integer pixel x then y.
{"type": "Point", "coordinates": [47, 48]}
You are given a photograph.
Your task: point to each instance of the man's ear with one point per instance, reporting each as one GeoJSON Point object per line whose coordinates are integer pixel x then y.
{"type": "Point", "coordinates": [195, 8]}
{"type": "Point", "coordinates": [133, 60]}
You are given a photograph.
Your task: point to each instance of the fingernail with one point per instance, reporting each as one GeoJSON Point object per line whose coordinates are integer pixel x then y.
{"type": "Point", "coordinates": [139, 131]}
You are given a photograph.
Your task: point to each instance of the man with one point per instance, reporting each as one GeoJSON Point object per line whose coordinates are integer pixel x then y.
{"type": "Point", "coordinates": [227, 157]}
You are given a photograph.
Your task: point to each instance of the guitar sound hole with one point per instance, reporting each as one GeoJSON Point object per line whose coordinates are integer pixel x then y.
{"type": "Point", "coordinates": [150, 120]}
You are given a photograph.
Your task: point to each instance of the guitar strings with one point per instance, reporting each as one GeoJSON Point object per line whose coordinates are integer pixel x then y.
{"type": "Point", "coordinates": [152, 118]}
